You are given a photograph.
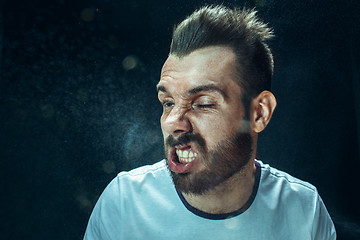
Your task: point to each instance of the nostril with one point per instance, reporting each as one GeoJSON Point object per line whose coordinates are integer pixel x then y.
{"type": "Point", "coordinates": [184, 127]}
{"type": "Point", "coordinates": [179, 131]}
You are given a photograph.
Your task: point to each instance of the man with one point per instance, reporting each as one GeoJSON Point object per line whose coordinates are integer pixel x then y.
{"type": "Point", "coordinates": [215, 93]}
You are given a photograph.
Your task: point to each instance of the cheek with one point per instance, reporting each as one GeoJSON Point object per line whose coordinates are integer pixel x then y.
{"type": "Point", "coordinates": [164, 133]}
{"type": "Point", "coordinates": [217, 123]}
{"type": "Point", "coordinates": [212, 131]}
{"type": "Point", "coordinates": [216, 129]}
{"type": "Point", "coordinates": [162, 120]}
{"type": "Point", "coordinates": [163, 129]}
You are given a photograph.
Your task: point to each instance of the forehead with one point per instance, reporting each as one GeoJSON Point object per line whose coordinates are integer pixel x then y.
{"type": "Point", "coordinates": [210, 65]}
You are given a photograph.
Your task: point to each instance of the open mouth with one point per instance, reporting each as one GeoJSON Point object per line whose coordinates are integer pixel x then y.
{"type": "Point", "coordinates": [185, 155]}
{"type": "Point", "coordinates": [182, 159]}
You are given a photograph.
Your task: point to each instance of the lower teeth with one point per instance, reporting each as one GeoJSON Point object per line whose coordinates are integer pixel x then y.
{"type": "Point", "coordinates": [187, 160]}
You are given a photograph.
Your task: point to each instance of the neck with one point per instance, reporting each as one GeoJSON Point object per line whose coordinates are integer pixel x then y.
{"type": "Point", "coordinates": [229, 196]}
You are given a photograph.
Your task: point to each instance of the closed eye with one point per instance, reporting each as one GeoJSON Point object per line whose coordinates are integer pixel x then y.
{"type": "Point", "coordinates": [204, 102]}
{"type": "Point", "coordinates": [205, 105]}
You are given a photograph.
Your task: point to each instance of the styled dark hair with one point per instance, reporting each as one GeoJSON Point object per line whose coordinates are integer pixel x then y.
{"type": "Point", "coordinates": [238, 29]}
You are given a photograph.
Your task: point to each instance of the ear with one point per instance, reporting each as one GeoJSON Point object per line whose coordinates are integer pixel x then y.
{"type": "Point", "coordinates": [261, 109]}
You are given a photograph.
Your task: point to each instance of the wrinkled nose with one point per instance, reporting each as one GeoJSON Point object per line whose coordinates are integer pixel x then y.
{"type": "Point", "coordinates": [176, 122]}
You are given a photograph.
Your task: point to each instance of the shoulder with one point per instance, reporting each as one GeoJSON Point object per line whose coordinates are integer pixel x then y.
{"type": "Point", "coordinates": [154, 169]}
{"type": "Point", "coordinates": [277, 186]}
{"type": "Point", "coordinates": [291, 200]}
{"type": "Point", "coordinates": [273, 177]}
{"type": "Point", "coordinates": [137, 177]}
{"type": "Point", "coordinates": [132, 186]}
{"type": "Point", "coordinates": [116, 203]}
{"type": "Point", "coordinates": [127, 191]}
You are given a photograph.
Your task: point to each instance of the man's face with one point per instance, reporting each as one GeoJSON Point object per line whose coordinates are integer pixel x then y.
{"type": "Point", "coordinates": [205, 137]}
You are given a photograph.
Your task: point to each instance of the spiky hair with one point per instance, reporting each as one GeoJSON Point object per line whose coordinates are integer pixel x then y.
{"type": "Point", "coordinates": [239, 29]}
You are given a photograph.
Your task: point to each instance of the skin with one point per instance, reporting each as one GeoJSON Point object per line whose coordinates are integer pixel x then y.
{"type": "Point", "coordinates": [199, 94]}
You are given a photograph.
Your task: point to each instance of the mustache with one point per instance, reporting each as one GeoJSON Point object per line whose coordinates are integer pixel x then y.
{"type": "Point", "coordinates": [185, 139]}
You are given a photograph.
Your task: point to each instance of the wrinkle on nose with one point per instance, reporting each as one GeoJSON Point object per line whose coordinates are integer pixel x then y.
{"type": "Point", "coordinates": [177, 122]}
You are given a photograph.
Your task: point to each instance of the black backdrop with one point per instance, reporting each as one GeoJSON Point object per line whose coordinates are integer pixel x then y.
{"type": "Point", "coordinates": [78, 103]}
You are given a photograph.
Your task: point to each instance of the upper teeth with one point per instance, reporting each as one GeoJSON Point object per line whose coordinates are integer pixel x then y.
{"type": "Point", "coordinates": [186, 155]}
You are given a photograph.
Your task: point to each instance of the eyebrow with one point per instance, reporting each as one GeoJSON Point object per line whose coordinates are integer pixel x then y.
{"type": "Point", "coordinates": [160, 88]}
{"type": "Point", "coordinates": [198, 89]}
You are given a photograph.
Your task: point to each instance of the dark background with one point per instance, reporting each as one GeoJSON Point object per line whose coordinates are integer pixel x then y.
{"type": "Point", "coordinates": [78, 103]}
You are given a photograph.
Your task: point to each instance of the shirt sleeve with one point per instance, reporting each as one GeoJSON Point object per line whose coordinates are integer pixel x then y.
{"type": "Point", "coordinates": [92, 230]}
{"type": "Point", "coordinates": [105, 219]}
{"type": "Point", "coordinates": [97, 227]}
{"type": "Point", "coordinates": [323, 226]}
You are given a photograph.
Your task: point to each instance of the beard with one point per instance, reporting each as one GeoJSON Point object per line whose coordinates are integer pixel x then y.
{"type": "Point", "coordinates": [226, 159]}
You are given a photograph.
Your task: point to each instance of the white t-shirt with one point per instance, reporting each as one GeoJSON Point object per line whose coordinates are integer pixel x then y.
{"type": "Point", "coordinates": [144, 204]}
